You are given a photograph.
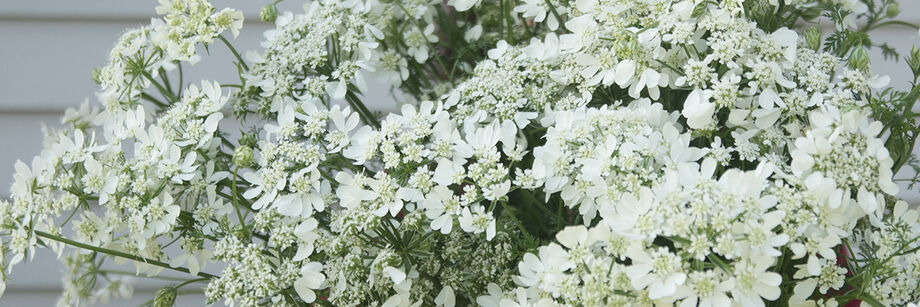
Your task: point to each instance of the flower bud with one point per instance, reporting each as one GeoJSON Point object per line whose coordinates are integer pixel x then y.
{"type": "Point", "coordinates": [813, 37]}
{"type": "Point", "coordinates": [859, 59]}
{"type": "Point", "coordinates": [248, 139]}
{"type": "Point", "coordinates": [165, 297]}
{"type": "Point", "coordinates": [242, 156]}
{"type": "Point", "coordinates": [913, 60]}
{"type": "Point", "coordinates": [96, 75]}
{"type": "Point", "coordinates": [269, 13]}
{"type": "Point", "coordinates": [892, 10]}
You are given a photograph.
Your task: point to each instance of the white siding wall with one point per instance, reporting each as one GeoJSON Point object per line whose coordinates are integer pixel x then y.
{"type": "Point", "coordinates": [49, 47]}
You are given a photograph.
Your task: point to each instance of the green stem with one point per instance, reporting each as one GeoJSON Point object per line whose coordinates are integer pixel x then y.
{"type": "Point", "coordinates": [169, 95]}
{"type": "Point", "coordinates": [233, 50]}
{"type": "Point", "coordinates": [236, 204]}
{"type": "Point", "coordinates": [118, 253]}
{"type": "Point", "coordinates": [552, 9]}
{"type": "Point", "coordinates": [126, 273]}
{"type": "Point", "coordinates": [889, 23]}
{"type": "Point", "coordinates": [190, 281]}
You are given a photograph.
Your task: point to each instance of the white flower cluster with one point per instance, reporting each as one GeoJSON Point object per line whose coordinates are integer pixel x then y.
{"type": "Point", "coordinates": [549, 153]}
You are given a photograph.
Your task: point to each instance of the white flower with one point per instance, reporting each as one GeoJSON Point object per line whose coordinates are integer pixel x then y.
{"type": "Point", "coordinates": [170, 167]}
{"type": "Point", "coordinates": [99, 180]}
{"type": "Point", "coordinates": [160, 215]}
{"type": "Point", "coordinates": [351, 189]}
{"type": "Point", "coordinates": [441, 205]}
{"type": "Point", "coordinates": [266, 183]}
{"type": "Point", "coordinates": [462, 5]}
{"type": "Point", "coordinates": [308, 196]}
{"type": "Point", "coordinates": [753, 281]}
{"type": "Point", "coordinates": [705, 289]}
{"type": "Point", "coordinates": [537, 10]}
{"type": "Point", "coordinates": [445, 297]}
{"type": "Point", "coordinates": [77, 149]}
{"type": "Point", "coordinates": [583, 33]}
{"type": "Point", "coordinates": [698, 110]}
{"type": "Point", "coordinates": [418, 41]}
{"type": "Point", "coordinates": [193, 256]}
{"type": "Point", "coordinates": [660, 271]}
{"type": "Point", "coordinates": [477, 221]}
{"type": "Point", "coordinates": [311, 278]}
{"type": "Point", "coordinates": [546, 271]}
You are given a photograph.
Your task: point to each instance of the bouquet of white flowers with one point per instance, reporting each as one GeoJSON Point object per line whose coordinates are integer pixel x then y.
{"type": "Point", "coordinates": [547, 152]}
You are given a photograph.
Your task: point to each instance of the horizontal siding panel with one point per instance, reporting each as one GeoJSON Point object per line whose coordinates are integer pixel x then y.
{"type": "Point", "coordinates": [50, 47]}
{"type": "Point", "coordinates": [21, 136]}
{"type": "Point", "coordinates": [48, 64]}
{"type": "Point", "coordinates": [118, 9]}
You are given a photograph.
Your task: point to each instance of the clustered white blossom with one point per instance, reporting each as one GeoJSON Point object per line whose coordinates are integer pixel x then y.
{"type": "Point", "coordinates": [546, 153]}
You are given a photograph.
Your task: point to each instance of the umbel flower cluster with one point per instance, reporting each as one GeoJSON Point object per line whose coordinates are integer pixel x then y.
{"type": "Point", "coordinates": [546, 153]}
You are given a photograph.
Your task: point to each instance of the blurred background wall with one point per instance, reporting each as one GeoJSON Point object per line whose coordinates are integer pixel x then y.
{"type": "Point", "coordinates": [49, 47]}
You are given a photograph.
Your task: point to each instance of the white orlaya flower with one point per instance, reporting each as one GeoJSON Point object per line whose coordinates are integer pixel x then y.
{"type": "Point", "coordinates": [705, 289]}
{"type": "Point", "coordinates": [479, 139]}
{"type": "Point", "coordinates": [264, 184]}
{"type": "Point", "coordinates": [477, 221]}
{"type": "Point", "coordinates": [522, 299]}
{"type": "Point", "coordinates": [473, 33]}
{"type": "Point", "coordinates": [76, 149]}
{"type": "Point", "coordinates": [150, 144]}
{"type": "Point", "coordinates": [351, 190]}
{"type": "Point", "coordinates": [342, 77]}
{"type": "Point", "coordinates": [501, 48]}
{"type": "Point", "coordinates": [496, 191]}
{"type": "Point", "coordinates": [209, 213]}
{"type": "Point", "coordinates": [207, 129]}
{"type": "Point", "coordinates": [449, 172]}
{"type": "Point", "coordinates": [171, 168]}
{"type": "Point", "coordinates": [660, 272]}
{"type": "Point", "coordinates": [194, 260]}
{"type": "Point", "coordinates": [901, 214]}
{"type": "Point", "coordinates": [492, 297]}
{"type": "Point", "coordinates": [164, 210]}
{"type": "Point", "coordinates": [304, 203]}
{"type": "Point", "coordinates": [394, 205]}
{"type": "Point", "coordinates": [816, 245]}
{"type": "Point", "coordinates": [286, 126]}
{"type": "Point", "coordinates": [26, 178]}
{"type": "Point", "coordinates": [97, 179]}
{"type": "Point", "coordinates": [545, 49]}
{"type": "Point", "coordinates": [402, 298]}
{"type": "Point", "coordinates": [547, 170]}
{"type": "Point", "coordinates": [441, 205]}
{"type": "Point", "coordinates": [698, 109]}
{"type": "Point", "coordinates": [754, 283]}
{"type": "Point", "coordinates": [583, 34]}
{"type": "Point", "coordinates": [311, 279]}
{"type": "Point", "coordinates": [390, 67]}
{"type": "Point", "coordinates": [27, 242]}
{"type": "Point", "coordinates": [101, 232]}
{"type": "Point", "coordinates": [462, 5]}
{"type": "Point", "coordinates": [546, 271]}
{"type": "Point", "coordinates": [648, 79]}
{"type": "Point", "coordinates": [788, 41]}
{"type": "Point", "coordinates": [306, 233]}
{"type": "Point", "coordinates": [828, 276]}
{"type": "Point", "coordinates": [363, 145]}
{"type": "Point", "coordinates": [446, 297]}
{"type": "Point", "coordinates": [760, 235]}
{"type": "Point", "coordinates": [537, 11]}
{"type": "Point", "coordinates": [508, 129]}
{"type": "Point", "coordinates": [214, 101]}
{"type": "Point", "coordinates": [574, 237]}
{"type": "Point", "coordinates": [418, 42]}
